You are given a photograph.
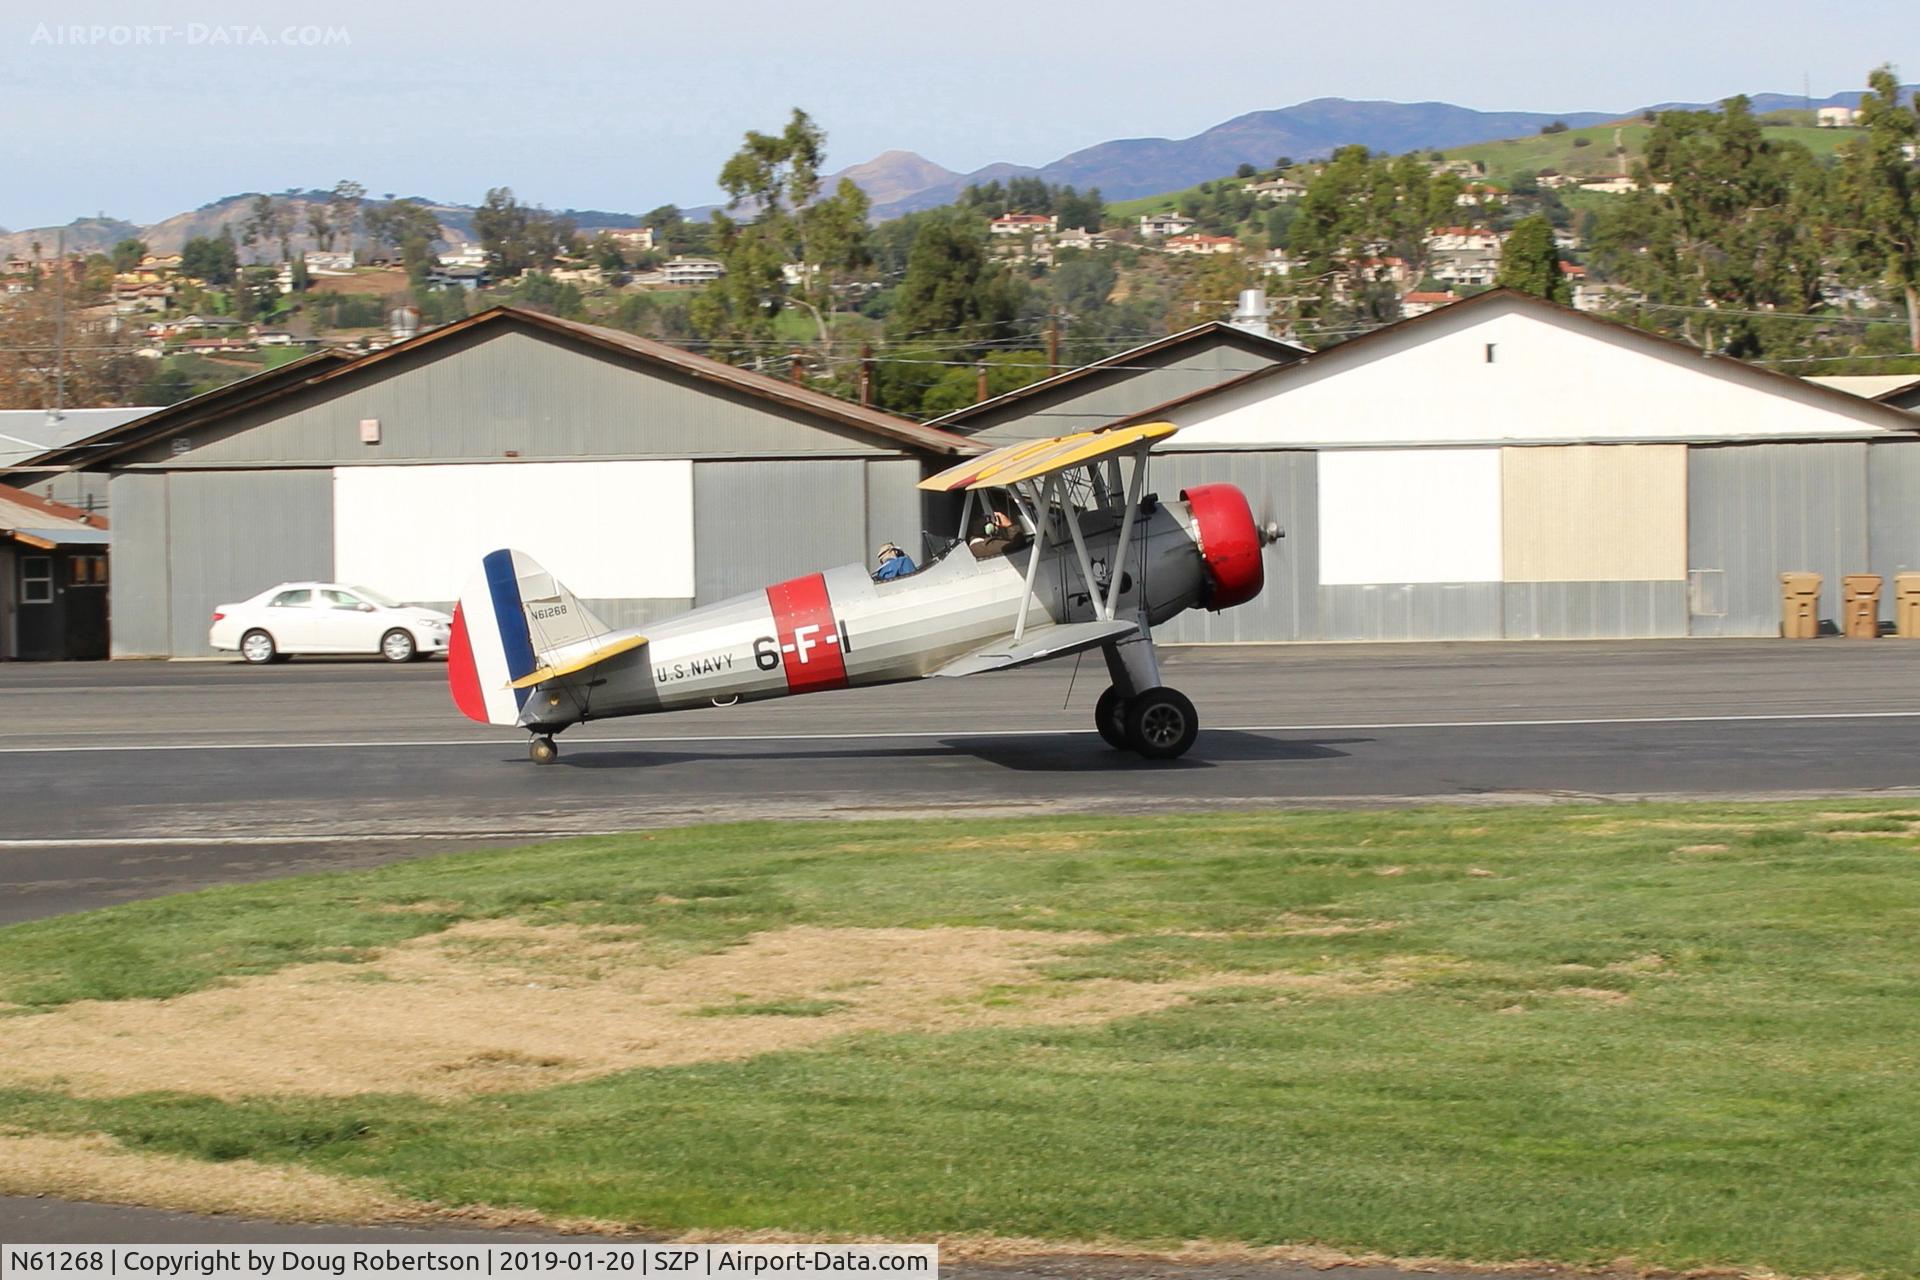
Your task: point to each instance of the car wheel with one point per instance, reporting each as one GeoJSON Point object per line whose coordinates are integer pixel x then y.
{"type": "Point", "coordinates": [1161, 723]}
{"type": "Point", "coordinates": [258, 648]}
{"type": "Point", "coordinates": [397, 646]}
{"type": "Point", "coordinates": [1110, 718]}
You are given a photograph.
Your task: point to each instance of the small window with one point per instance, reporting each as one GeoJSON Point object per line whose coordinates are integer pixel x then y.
{"type": "Point", "coordinates": [99, 570]}
{"type": "Point", "coordinates": [36, 579]}
{"type": "Point", "coordinates": [297, 598]}
{"type": "Point", "coordinates": [77, 570]}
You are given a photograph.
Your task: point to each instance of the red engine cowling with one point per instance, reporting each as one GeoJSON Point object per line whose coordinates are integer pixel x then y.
{"type": "Point", "coordinates": [1230, 543]}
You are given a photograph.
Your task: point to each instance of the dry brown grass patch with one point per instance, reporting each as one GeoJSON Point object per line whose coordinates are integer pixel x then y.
{"type": "Point", "coordinates": [94, 1167]}
{"type": "Point", "coordinates": [498, 1005]}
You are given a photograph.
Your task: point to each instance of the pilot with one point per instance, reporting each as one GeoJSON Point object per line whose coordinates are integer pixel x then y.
{"type": "Point", "coordinates": [894, 563]}
{"type": "Point", "coordinates": [1000, 534]}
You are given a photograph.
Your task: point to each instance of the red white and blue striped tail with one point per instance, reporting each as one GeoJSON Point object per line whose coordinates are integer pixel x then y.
{"type": "Point", "coordinates": [513, 621]}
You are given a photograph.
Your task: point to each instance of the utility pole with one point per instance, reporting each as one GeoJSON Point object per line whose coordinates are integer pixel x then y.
{"type": "Point", "coordinates": [979, 381]}
{"type": "Point", "coordinates": [59, 327]}
{"type": "Point", "coordinates": [866, 375]}
{"type": "Point", "coordinates": [1053, 341]}
{"type": "Point", "coordinates": [793, 367]}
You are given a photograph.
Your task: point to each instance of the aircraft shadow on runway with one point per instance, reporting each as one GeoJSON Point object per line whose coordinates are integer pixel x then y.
{"type": "Point", "coordinates": [1066, 753]}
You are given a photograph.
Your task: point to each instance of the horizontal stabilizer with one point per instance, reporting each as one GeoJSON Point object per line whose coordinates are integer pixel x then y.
{"type": "Point", "coordinates": [567, 666]}
{"type": "Point", "coordinates": [1039, 644]}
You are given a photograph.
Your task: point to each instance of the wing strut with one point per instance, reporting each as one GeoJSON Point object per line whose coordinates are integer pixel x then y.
{"type": "Point", "coordinates": [1037, 520]}
{"type": "Point", "coordinates": [1135, 483]}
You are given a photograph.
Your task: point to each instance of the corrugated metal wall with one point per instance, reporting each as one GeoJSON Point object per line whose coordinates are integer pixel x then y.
{"type": "Point", "coordinates": [895, 512]}
{"type": "Point", "coordinates": [232, 534]}
{"type": "Point", "coordinates": [1412, 611]}
{"type": "Point", "coordinates": [1893, 503]}
{"type": "Point", "coordinates": [757, 523]}
{"type": "Point", "coordinates": [1594, 610]}
{"type": "Point", "coordinates": [1756, 511]}
{"type": "Point", "coordinates": [137, 586]}
{"type": "Point", "coordinates": [1283, 488]}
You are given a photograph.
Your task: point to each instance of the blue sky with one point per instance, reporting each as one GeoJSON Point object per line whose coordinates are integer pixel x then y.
{"type": "Point", "coordinates": [617, 105]}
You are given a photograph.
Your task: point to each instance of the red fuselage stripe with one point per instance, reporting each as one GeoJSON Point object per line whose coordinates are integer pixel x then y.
{"type": "Point", "coordinates": [809, 636]}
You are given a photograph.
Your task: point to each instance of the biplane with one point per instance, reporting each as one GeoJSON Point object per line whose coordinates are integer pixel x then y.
{"type": "Point", "coordinates": [1058, 550]}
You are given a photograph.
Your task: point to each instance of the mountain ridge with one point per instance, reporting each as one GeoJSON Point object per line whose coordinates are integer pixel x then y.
{"type": "Point", "coordinates": [901, 181]}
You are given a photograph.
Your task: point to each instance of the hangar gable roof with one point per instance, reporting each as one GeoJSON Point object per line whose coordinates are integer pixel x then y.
{"type": "Point", "coordinates": [251, 400]}
{"type": "Point", "coordinates": [1505, 367]}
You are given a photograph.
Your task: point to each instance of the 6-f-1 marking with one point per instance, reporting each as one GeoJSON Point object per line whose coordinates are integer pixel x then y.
{"type": "Point", "coordinates": [767, 649]}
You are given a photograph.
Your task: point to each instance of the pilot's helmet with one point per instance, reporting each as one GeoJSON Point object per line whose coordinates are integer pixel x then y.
{"type": "Point", "coordinates": [886, 552]}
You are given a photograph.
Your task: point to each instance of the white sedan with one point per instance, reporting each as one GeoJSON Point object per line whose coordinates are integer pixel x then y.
{"type": "Point", "coordinates": [327, 617]}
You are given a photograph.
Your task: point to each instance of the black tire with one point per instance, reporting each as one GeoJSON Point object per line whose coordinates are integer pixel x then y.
{"type": "Point", "coordinates": [1110, 718]}
{"type": "Point", "coordinates": [398, 646]}
{"type": "Point", "coordinates": [543, 751]}
{"type": "Point", "coordinates": [258, 648]}
{"type": "Point", "coordinates": [1161, 724]}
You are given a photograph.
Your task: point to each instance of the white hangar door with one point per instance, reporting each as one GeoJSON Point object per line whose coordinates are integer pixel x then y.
{"type": "Point", "coordinates": [612, 531]}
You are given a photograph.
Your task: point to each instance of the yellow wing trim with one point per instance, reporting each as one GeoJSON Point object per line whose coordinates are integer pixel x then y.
{"type": "Point", "coordinates": [593, 659]}
{"type": "Point", "coordinates": [1031, 459]}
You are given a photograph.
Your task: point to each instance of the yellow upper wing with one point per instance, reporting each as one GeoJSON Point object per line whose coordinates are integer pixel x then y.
{"type": "Point", "coordinates": [1030, 459]}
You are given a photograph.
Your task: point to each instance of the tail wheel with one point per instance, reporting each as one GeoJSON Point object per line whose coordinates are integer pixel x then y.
{"type": "Point", "coordinates": [542, 750]}
{"type": "Point", "coordinates": [258, 648]}
{"type": "Point", "coordinates": [397, 646]}
{"type": "Point", "coordinates": [1161, 723]}
{"type": "Point", "coordinates": [1109, 717]}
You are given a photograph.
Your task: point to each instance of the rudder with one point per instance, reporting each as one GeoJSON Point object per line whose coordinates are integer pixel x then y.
{"type": "Point", "coordinates": [512, 617]}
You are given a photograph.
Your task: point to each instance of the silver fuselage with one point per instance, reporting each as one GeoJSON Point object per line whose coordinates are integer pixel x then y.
{"type": "Point", "coordinates": [840, 629]}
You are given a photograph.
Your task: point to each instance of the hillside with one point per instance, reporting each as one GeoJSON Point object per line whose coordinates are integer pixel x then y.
{"type": "Point", "coordinates": [1590, 152]}
{"type": "Point", "coordinates": [1129, 170]}
{"type": "Point", "coordinates": [99, 235]}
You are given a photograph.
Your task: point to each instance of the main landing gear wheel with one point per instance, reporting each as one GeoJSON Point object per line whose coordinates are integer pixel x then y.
{"type": "Point", "coordinates": [1160, 723]}
{"type": "Point", "coordinates": [542, 751]}
{"type": "Point", "coordinates": [1109, 717]}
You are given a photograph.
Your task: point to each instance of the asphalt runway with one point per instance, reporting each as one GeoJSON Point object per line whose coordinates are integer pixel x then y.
{"type": "Point", "coordinates": [128, 780]}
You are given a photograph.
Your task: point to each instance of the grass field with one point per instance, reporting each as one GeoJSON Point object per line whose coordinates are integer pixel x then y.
{"type": "Point", "coordinates": [1562, 153]}
{"type": "Point", "coordinates": [1685, 1035]}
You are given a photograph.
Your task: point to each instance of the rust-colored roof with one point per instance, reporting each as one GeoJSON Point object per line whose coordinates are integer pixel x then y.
{"type": "Point", "coordinates": [19, 508]}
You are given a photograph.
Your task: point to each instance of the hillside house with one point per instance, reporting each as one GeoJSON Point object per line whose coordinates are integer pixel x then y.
{"type": "Point", "coordinates": [322, 262]}
{"type": "Point", "coordinates": [1281, 188]}
{"type": "Point", "coordinates": [690, 271]}
{"type": "Point", "coordinates": [1612, 184]}
{"type": "Point", "coordinates": [1460, 168]}
{"type": "Point", "coordinates": [1277, 262]}
{"type": "Point", "coordinates": [1025, 224]}
{"type": "Point", "coordinates": [1202, 244]}
{"type": "Point", "coordinates": [1553, 179]}
{"type": "Point", "coordinates": [1419, 302]}
{"type": "Point", "coordinates": [1081, 238]}
{"type": "Point", "coordinates": [1836, 117]}
{"type": "Point", "coordinates": [632, 239]}
{"type": "Point", "coordinates": [1158, 225]}
{"type": "Point", "coordinates": [1465, 240]}
{"type": "Point", "coordinates": [1480, 193]}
